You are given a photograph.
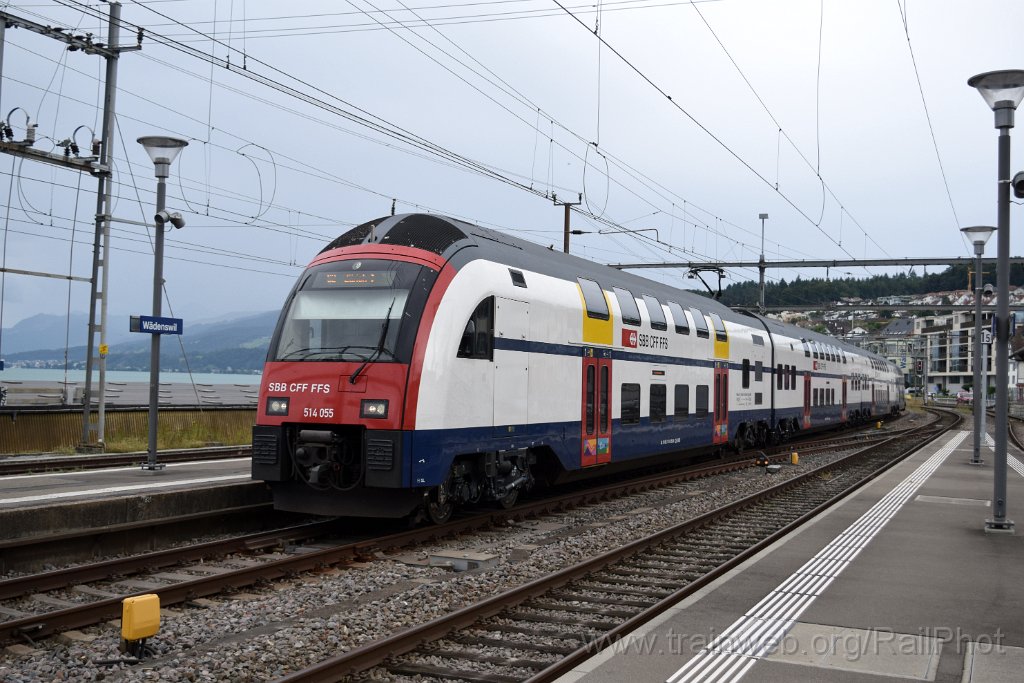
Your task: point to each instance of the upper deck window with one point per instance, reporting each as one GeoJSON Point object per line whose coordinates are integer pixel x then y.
{"type": "Point", "coordinates": [656, 313]}
{"type": "Point", "coordinates": [679, 318]}
{"type": "Point", "coordinates": [720, 333]}
{"type": "Point", "coordinates": [593, 299]}
{"type": "Point", "coordinates": [627, 306]}
{"type": "Point", "coordinates": [700, 323]}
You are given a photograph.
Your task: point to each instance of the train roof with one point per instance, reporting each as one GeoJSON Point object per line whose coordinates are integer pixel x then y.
{"type": "Point", "coordinates": [460, 242]}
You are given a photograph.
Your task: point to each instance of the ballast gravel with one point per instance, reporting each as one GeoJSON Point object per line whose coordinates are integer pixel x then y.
{"type": "Point", "coordinates": [274, 629]}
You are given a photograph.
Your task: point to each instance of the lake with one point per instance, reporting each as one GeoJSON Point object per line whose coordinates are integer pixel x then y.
{"type": "Point", "coordinates": [56, 375]}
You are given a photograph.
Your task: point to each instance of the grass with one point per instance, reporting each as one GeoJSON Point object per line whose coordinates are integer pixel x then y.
{"type": "Point", "coordinates": [193, 435]}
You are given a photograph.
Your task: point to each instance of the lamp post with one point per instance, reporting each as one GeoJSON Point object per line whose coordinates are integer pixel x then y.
{"type": "Point", "coordinates": [760, 264]}
{"type": "Point", "coordinates": [979, 235]}
{"type": "Point", "coordinates": [162, 150]}
{"type": "Point", "coordinates": [1002, 91]}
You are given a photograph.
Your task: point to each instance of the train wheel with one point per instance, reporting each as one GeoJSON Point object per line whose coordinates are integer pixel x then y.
{"type": "Point", "coordinates": [509, 500]}
{"type": "Point", "coordinates": [440, 506]}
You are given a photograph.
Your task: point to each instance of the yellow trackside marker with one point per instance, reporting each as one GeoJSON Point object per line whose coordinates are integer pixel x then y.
{"type": "Point", "coordinates": [140, 619]}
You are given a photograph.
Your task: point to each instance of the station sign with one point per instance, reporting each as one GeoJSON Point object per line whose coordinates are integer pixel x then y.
{"type": "Point", "coordinates": [155, 325]}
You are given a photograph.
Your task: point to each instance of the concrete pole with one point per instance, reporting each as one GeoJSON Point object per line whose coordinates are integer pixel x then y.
{"type": "Point", "coordinates": [162, 172]}
{"type": "Point", "coordinates": [979, 406]}
{"type": "Point", "coordinates": [1004, 122]}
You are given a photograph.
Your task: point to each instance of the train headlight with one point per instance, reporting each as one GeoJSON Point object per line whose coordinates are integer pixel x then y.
{"type": "Point", "coordinates": [373, 408]}
{"type": "Point", "coordinates": [277, 406]}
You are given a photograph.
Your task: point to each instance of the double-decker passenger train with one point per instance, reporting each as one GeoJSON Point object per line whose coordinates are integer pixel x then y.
{"type": "Point", "coordinates": [421, 363]}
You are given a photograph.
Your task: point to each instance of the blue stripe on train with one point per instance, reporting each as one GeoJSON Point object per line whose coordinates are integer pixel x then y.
{"type": "Point", "coordinates": [429, 453]}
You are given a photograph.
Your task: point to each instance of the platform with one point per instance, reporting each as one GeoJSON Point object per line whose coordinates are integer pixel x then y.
{"type": "Point", "coordinates": [52, 502]}
{"type": "Point", "coordinates": [898, 582]}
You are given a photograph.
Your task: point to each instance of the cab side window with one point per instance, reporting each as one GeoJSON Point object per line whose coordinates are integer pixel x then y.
{"type": "Point", "coordinates": [478, 335]}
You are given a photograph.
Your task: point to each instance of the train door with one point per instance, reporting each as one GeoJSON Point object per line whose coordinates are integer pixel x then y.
{"type": "Point", "coordinates": [807, 400]}
{"type": "Point", "coordinates": [596, 409]}
{"type": "Point", "coordinates": [511, 368]}
{"type": "Point", "coordinates": [843, 414]}
{"type": "Point", "coordinates": [720, 417]}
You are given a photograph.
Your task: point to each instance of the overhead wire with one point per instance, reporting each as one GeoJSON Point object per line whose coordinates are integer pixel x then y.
{"type": "Point", "coordinates": [927, 113]}
{"type": "Point", "coordinates": [696, 224]}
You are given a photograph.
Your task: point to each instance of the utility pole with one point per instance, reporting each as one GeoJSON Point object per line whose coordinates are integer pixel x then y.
{"type": "Point", "coordinates": [101, 246]}
{"type": "Point", "coordinates": [554, 198]}
{"type": "Point", "coordinates": [99, 166]}
{"type": "Point", "coordinates": [761, 263]}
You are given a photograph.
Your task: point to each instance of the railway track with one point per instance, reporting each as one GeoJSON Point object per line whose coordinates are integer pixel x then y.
{"type": "Point", "coordinates": [541, 630]}
{"type": "Point", "coordinates": [176, 577]}
{"type": "Point", "coordinates": [86, 543]}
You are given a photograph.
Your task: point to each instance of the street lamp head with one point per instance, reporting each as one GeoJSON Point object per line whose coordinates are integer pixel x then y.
{"type": "Point", "coordinates": [978, 235]}
{"type": "Point", "coordinates": [162, 149]}
{"type": "Point", "coordinates": [762, 216]}
{"type": "Point", "coordinates": [1003, 91]}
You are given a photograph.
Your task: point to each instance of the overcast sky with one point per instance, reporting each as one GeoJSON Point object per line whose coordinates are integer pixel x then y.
{"type": "Point", "coordinates": [849, 123]}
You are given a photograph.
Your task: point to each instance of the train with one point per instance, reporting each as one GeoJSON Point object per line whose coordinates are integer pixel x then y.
{"type": "Point", "coordinates": [422, 363]}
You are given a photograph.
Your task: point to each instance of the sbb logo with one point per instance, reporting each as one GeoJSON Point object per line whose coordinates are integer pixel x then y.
{"type": "Point", "coordinates": [629, 338]}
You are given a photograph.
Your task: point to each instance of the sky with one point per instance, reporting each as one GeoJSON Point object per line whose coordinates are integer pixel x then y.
{"type": "Point", "coordinates": [674, 124]}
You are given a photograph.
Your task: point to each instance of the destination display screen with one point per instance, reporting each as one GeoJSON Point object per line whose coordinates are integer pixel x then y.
{"type": "Point", "coordinates": [353, 279]}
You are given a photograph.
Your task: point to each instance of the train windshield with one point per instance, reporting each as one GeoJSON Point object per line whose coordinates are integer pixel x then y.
{"type": "Point", "coordinates": [349, 311]}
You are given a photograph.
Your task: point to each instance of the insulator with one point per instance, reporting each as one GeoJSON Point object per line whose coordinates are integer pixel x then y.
{"type": "Point", "coordinates": [95, 147]}
{"type": "Point", "coordinates": [74, 149]}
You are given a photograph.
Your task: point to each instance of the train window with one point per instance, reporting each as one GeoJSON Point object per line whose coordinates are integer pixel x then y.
{"type": "Point", "coordinates": [758, 371]}
{"type": "Point", "coordinates": [477, 337]}
{"type": "Point", "coordinates": [832, 396]}
{"type": "Point", "coordinates": [814, 393]}
{"type": "Point", "coordinates": [700, 323]}
{"type": "Point", "coordinates": [658, 402]}
{"type": "Point", "coordinates": [807, 349]}
{"type": "Point", "coordinates": [700, 400]}
{"type": "Point", "coordinates": [682, 403]}
{"type": "Point", "coordinates": [679, 318]}
{"type": "Point", "coordinates": [656, 313]}
{"type": "Point", "coordinates": [630, 404]}
{"type": "Point", "coordinates": [720, 333]}
{"type": "Point", "coordinates": [758, 339]}
{"type": "Point", "coordinates": [792, 377]}
{"type": "Point", "coordinates": [746, 373]}
{"type": "Point", "coordinates": [778, 376]}
{"type": "Point", "coordinates": [593, 299]}
{"type": "Point", "coordinates": [786, 372]}
{"type": "Point", "coordinates": [517, 278]}
{"type": "Point", "coordinates": [758, 398]}
{"type": "Point", "coordinates": [627, 306]}
{"type": "Point", "coordinates": [589, 401]}
{"type": "Point", "coordinates": [603, 407]}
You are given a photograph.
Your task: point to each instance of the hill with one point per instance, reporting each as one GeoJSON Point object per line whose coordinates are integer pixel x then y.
{"type": "Point", "coordinates": [821, 291]}
{"type": "Point", "coordinates": [234, 345]}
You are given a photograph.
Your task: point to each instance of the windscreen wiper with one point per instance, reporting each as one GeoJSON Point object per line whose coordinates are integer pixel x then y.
{"type": "Point", "coordinates": [380, 345]}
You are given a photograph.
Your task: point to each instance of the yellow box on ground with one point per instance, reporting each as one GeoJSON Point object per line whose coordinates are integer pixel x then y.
{"type": "Point", "coordinates": [140, 616]}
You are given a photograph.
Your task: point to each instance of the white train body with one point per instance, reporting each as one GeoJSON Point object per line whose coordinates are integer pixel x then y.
{"type": "Point", "coordinates": [512, 362]}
